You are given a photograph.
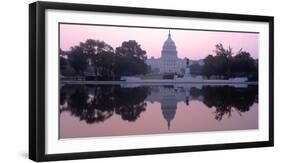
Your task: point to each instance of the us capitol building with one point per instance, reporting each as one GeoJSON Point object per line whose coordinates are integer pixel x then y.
{"type": "Point", "coordinates": [169, 61]}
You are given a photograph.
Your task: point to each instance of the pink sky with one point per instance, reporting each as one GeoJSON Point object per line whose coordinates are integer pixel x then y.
{"type": "Point", "coordinates": [190, 43]}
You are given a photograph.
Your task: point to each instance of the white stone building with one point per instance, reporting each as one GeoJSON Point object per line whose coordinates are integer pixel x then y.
{"type": "Point", "coordinates": [169, 61]}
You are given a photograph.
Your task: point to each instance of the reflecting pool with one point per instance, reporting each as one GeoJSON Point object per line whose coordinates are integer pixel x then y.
{"type": "Point", "coordinates": [120, 110]}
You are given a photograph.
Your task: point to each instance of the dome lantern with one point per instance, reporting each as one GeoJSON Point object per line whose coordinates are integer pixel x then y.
{"type": "Point", "coordinates": [169, 48]}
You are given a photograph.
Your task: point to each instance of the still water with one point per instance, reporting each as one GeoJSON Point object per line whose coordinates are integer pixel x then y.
{"type": "Point", "coordinates": [120, 110]}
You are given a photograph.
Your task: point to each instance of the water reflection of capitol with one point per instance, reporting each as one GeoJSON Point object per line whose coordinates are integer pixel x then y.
{"type": "Point", "coordinates": [170, 96]}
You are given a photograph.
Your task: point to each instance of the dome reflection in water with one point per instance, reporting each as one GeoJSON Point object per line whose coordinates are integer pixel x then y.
{"type": "Point", "coordinates": [120, 110]}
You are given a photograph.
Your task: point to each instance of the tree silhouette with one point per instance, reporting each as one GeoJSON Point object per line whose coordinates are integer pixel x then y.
{"type": "Point", "coordinates": [93, 47]}
{"type": "Point", "coordinates": [98, 103]}
{"type": "Point", "coordinates": [130, 102]}
{"type": "Point", "coordinates": [131, 59]}
{"type": "Point", "coordinates": [196, 69]}
{"type": "Point", "coordinates": [131, 49]}
{"type": "Point", "coordinates": [225, 65]}
{"type": "Point", "coordinates": [226, 98]}
{"type": "Point", "coordinates": [209, 67]}
{"type": "Point", "coordinates": [95, 104]}
{"type": "Point", "coordinates": [78, 60]}
{"type": "Point", "coordinates": [99, 59]}
{"type": "Point", "coordinates": [82, 105]}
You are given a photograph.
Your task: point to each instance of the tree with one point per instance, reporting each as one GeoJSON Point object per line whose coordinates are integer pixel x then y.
{"type": "Point", "coordinates": [100, 59]}
{"type": "Point", "coordinates": [130, 59]}
{"type": "Point", "coordinates": [226, 65]}
{"type": "Point", "coordinates": [254, 75]}
{"type": "Point", "coordinates": [131, 49]}
{"type": "Point", "coordinates": [223, 61]}
{"type": "Point", "coordinates": [78, 60]}
{"type": "Point", "coordinates": [221, 51]}
{"type": "Point", "coordinates": [209, 66]}
{"type": "Point", "coordinates": [243, 64]}
{"type": "Point", "coordinates": [195, 69]}
{"type": "Point", "coordinates": [92, 53]}
{"type": "Point", "coordinates": [63, 63]}
{"type": "Point", "coordinates": [92, 47]}
{"type": "Point", "coordinates": [105, 63]}
{"type": "Point", "coordinates": [94, 50]}
{"type": "Point", "coordinates": [125, 65]}
{"type": "Point", "coordinates": [63, 53]}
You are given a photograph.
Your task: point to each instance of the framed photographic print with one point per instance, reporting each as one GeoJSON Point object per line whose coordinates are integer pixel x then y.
{"type": "Point", "coordinates": [117, 81]}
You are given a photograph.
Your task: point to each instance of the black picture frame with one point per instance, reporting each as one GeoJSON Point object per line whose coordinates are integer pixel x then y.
{"type": "Point", "coordinates": [37, 78]}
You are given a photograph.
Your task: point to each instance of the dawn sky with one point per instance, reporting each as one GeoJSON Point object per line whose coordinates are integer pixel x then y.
{"type": "Point", "coordinates": [190, 43]}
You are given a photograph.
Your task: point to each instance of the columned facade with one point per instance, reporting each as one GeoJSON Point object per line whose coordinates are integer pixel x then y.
{"type": "Point", "coordinates": [169, 61]}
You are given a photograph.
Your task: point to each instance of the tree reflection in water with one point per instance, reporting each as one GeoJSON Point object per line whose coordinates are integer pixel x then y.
{"type": "Point", "coordinates": [98, 103]}
{"type": "Point", "coordinates": [95, 104]}
{"type": "Point", "coordinates": [227, 99]}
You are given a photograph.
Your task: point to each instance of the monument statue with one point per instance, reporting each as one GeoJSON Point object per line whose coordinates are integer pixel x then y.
{"type": "Point", "coordinates": [187, 63]}
{"type": "Point", "coordinates": [187, 70]}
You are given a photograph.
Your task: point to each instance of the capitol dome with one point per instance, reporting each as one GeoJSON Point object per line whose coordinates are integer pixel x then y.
{"type": "Point", "coordinates": [169, 61]}
{"type": "Point", "coordinates": [169, 48]}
